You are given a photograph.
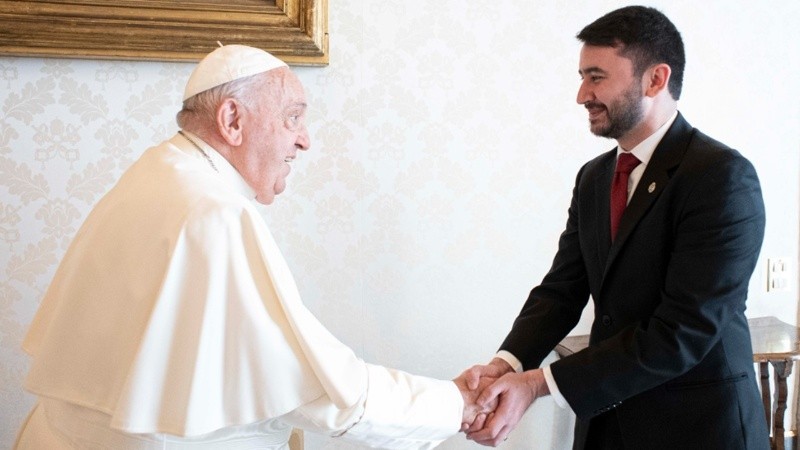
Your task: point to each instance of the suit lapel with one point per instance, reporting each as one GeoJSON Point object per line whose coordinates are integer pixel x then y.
{"type": "Point", "coordinates": [667, 155]}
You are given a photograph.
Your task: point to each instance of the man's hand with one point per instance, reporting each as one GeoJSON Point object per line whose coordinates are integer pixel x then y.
{"type": "Point", "coordinates": [515, 393]}
{"type": "Point", "coordinates": [495, 369]}
{"type": "Point", "coordinates": [473, 410]}
{"type": "Point", "coordinates": [471, 382]}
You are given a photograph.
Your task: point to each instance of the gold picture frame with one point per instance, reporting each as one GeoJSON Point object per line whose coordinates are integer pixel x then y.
{"type": "Point", "coordinates": [164, 30]}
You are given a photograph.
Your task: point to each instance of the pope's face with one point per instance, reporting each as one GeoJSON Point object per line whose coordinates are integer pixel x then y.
{"type": "Point", "coordinates": [273, 133]}
{"type": "Point", "coordinates": [610, 92]}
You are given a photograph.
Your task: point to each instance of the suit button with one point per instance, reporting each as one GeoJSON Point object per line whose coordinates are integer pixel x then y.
{"type": "Point", "coordinates": [607, 320]}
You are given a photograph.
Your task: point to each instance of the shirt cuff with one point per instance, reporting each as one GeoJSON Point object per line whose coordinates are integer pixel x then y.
{"type": "Point", "coordinates": [510, 359]}
{"type": "Point", "coordinates": [554, 392]}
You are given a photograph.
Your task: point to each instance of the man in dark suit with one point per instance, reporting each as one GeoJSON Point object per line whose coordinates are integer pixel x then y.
{"type": "Point", "coordinates": [669, 364]}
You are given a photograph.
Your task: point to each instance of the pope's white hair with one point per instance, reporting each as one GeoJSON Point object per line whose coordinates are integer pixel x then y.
{"type": "Point", "coordinates": [199, 111]}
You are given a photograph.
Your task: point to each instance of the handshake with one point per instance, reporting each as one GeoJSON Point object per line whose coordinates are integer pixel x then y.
{"type": "Point", "coordinates": [495, 398]}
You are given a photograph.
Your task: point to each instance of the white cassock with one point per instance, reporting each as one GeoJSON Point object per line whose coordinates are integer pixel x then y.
{"type": "Point", "coordinates": [174, 322]}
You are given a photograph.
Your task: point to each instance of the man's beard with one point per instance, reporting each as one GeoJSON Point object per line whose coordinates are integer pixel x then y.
{"type": "Point", "coordinates": [623, 114]}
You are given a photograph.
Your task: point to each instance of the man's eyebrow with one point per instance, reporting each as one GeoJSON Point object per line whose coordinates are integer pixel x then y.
{"type": "Point", "coordinates": [591, 70]}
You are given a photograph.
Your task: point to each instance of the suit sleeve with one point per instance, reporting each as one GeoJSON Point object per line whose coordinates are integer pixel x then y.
{"type": "Point", "coordinates": [718, 229]}
{"type": "Point", "coordinates": [553, 307]}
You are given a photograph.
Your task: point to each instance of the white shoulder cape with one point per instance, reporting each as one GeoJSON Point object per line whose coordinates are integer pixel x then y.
{"type": "Point", "coordinates": [174, 311]}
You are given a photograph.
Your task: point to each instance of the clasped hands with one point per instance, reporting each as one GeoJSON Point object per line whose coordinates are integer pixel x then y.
{"type": "Point", "coordinates": [495, 399]}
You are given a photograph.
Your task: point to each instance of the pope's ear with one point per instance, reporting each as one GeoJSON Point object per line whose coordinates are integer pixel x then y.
{"type": "Point", "coordinates": [229, 121]}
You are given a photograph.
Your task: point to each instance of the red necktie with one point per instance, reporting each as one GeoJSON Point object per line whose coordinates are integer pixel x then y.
{"type": "Point", "coordinates": [619, 189]}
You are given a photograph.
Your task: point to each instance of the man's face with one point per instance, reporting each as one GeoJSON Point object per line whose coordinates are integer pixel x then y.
{"type": "Point", "coordinates": [610, 92]}
{"type": "Point", "coordinates": [273, 132]}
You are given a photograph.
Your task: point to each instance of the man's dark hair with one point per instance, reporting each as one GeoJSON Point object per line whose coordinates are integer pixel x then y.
{"type": "Point", "coordinates": [645, 36]}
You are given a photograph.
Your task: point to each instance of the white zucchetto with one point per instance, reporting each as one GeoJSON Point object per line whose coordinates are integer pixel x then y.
{"type": "Point", "coordinates": [228, 63]}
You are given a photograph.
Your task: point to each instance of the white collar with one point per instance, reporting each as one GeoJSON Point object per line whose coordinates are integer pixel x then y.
{"type": "Point", "coordinates": [644, 150]}
{"type": "Point", "coordinates": [221, 165]}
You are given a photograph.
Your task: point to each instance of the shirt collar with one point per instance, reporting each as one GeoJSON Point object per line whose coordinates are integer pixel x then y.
{"type": "Point", "coordinates": [228, 173]}
{"type": "Point", "coordinates": [644, 150]}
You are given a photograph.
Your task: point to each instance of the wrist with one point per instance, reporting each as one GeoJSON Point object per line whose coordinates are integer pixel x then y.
{"type": "Point", "coordinates": [502, 365]}
{"type": "Point", "coordinates": [537, 383]}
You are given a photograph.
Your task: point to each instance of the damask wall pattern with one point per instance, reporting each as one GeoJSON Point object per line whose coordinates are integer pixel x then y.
{"type": "Point", "coordinates": [445, 140]}
{"type": "Point", "coordinates": [67, 131]}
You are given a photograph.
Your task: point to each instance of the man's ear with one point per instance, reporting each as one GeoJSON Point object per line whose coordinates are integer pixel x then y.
{"type": "Point", "coordinates": [229, 121]}
{"type": "Point", "coordinates": [656, 79]}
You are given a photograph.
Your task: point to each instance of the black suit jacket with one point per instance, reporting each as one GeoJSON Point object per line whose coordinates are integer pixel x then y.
{"type": "Point", "coordinates": [670, 350]}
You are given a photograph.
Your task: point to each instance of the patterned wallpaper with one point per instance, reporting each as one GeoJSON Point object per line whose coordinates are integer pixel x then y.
{"type": "Point", "coordinates": [445, 139]}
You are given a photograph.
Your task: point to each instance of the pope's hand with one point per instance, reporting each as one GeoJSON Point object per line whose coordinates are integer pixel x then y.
{"type": "Point", "coordinates": [474, 413]}
{"type": "Point", "coordinates": [495, 369]}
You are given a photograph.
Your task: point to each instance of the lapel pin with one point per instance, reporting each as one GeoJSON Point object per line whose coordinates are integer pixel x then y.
{"type": "Point", "coordinates": [652, 187]}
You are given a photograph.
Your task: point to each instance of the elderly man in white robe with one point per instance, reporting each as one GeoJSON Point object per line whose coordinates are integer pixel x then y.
{"type": "Point", "coordinates": [173, 321]}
